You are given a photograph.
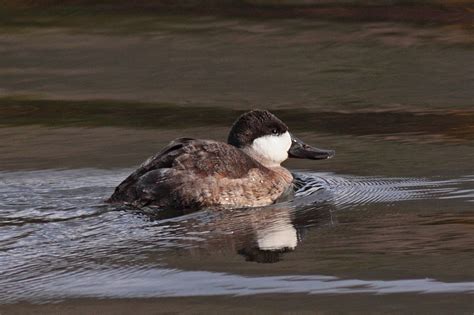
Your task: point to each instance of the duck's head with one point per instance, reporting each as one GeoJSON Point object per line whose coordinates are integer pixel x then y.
{"type": "Point", "coordinates": [266, 138]}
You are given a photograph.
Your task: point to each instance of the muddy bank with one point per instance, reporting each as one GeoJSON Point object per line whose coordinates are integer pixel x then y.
{"type": "Point", "coordinates": [433, 12]}
{"type": "Point", "coordinates": [265, 304]}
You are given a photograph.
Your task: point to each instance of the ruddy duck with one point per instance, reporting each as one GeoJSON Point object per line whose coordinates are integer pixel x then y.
{"type": "Point", "coordinates": [190, 174]}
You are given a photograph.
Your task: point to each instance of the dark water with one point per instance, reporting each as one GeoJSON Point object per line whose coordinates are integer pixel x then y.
{"type": "Point", "coordinates": [392, 218]}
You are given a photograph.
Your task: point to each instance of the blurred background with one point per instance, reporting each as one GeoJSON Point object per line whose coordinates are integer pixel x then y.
{"type": "Point", "coordinates": [377, 77]}
{"type": "Point", "coordinates": [90, 89]}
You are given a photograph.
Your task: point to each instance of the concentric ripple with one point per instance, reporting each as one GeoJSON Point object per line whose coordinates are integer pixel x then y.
{"type": "Point", "coordinates": [58, 239]}
{"type": "Point", "coordinates": [347, 190]}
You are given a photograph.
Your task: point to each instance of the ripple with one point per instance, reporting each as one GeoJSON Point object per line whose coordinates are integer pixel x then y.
{"type": "Point", "coordinates": [350, 190]}
{"type": "Point", "coordinates": [58, 239]}
{"type": "Point", "coordinates": [142, 283]}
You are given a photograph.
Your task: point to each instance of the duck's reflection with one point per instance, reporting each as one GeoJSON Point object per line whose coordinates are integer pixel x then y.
{"type": "Point", "coordinates": [262, 235]}
{"type": "Point", "coordinates": [279, 229]}
{"type": "Point", "coordinates": [271, 238]}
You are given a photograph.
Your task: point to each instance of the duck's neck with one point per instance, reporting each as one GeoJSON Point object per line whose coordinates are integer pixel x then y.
{"type": "Point", "coordinates": [283, 172]}
{"type": "Point", "coordinates": [271, 165]}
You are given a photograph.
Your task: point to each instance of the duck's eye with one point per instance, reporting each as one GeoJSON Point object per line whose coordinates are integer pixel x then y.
{"type": "Point", "coordinates": [275, 131]}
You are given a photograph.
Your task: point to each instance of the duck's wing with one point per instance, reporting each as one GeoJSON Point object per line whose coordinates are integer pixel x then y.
{"type": "Point", "coordinates": [163, 159]}
{"type": "Point", "coordinates": [201, 158]}
{"type": "Point", "coordinates": [217, 159]}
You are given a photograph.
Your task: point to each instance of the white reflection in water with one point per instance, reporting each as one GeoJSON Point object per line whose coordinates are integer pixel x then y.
{"type": "Point", "coordinates": [275, 238]}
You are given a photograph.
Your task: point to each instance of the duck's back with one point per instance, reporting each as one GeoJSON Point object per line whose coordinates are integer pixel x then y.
{"type": "Point", "coordinates": [191, 174]}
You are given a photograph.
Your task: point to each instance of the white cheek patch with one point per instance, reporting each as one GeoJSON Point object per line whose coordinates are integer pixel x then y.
{"type": "Point", "coordinates": [273, 148]}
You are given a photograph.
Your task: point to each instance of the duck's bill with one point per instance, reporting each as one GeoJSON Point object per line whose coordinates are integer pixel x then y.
{"type": "Point", "coordinates": [301, 150]}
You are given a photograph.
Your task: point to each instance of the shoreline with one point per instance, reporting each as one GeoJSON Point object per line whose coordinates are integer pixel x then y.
{"type": "Point", "coordinates": [437, 13]}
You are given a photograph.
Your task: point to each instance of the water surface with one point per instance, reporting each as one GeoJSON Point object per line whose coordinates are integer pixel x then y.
{"type": "Point", "coordinates": [390, 226]}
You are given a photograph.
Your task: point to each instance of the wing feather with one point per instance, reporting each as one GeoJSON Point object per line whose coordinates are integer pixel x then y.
{"type": "Point", "coordinates": [202, 158]}
{"type": "Point", "coordinates": [163, 159]}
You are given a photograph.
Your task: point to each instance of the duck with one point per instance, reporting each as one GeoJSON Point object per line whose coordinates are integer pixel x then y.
{"type": "Point", "coordinates": [191, 174]}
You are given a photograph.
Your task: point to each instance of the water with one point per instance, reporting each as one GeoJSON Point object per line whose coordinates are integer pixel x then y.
{"type": "Point", "coordinates": [387, 222]}
{"type": "Point", "coordinates": [55, 229]}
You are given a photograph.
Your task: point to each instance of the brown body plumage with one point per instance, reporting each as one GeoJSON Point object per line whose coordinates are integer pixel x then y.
{"type": "Point", "coordinates": [193, 174]}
